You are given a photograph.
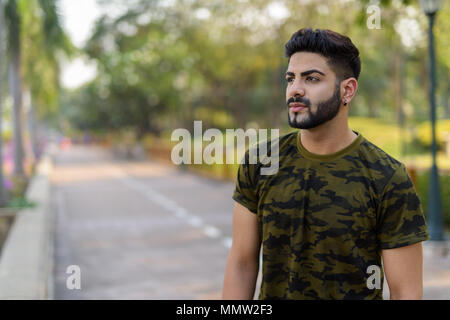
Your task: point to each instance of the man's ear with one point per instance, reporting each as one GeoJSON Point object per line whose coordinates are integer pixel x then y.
{"type": "Point", "coordinates": [349, 87]}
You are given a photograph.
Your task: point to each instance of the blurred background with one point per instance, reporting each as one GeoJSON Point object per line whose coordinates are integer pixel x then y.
{"type": "Point", "coordinates": [103, 84]}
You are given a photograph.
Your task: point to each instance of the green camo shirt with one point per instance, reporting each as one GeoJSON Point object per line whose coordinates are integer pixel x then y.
{"type": "Point", "coordinates": [324, 219]}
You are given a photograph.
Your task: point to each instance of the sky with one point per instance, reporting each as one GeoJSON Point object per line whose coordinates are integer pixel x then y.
{"type": "Point", "coordinates": [78, 20]}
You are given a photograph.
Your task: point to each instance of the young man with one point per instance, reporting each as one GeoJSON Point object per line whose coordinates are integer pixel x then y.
{"type": "Point", "coordinates": [338, 204]}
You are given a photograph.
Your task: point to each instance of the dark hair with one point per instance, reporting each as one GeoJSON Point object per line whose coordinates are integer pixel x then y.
{"type": "Point", "coordinates": [341, 54]}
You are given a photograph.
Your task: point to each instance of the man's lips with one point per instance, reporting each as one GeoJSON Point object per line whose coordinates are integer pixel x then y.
{"type": "Point", "coordinates": [296, 107]}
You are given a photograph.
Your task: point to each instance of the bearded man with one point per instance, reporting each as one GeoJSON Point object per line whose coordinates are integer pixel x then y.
{"type": "Point", "coordinates": [338, 209]}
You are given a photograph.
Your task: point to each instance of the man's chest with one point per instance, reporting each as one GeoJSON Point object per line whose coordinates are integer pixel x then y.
{"type": "Point", "coordinates": [318, 198]}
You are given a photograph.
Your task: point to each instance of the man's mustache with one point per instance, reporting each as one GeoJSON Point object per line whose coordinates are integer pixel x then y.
{"type": "Point", "coordinates": [305, 101]}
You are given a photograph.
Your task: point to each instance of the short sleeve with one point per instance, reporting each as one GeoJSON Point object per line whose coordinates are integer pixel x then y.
{"type": "Point", "coordinates": [402, 222]}
{"type": "Point", "coordinates": [245, 191]}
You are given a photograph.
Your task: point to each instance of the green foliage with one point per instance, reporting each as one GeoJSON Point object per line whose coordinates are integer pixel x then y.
{"type": "Point", "coordinates": [442, 132]}
{"type": "Point", "coordinates": [387, 136]}
{"type": "Point", "coordinates": [43, 42]}
{"type": "Point", "coordinates": [19, 186]}
{"type": "Point", "coordinates": [422, 185]}
{"type": "Point", "coordinates": [55, 39]}
{"type": "Point", "coordinates": [161, 67]}
{"type": "Point", "coordinates": [442, 31]}
{"type": "Point", "coordinates": [20, 202]}
{"type": "Point", "coordinates": [12, 23]}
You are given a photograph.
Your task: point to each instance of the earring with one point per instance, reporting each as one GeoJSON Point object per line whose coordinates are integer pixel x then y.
{"type": "Point", "coordinates": [345, 102]}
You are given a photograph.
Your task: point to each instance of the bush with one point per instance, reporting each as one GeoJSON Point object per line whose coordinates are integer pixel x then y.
{"type": "Point", "coordinates": [422, 185]}
{"type": "Point", "coordinates": [20, 202]}
{"type": "Point", "coordinates": [19, 186]}
{"type": "Point", "coordinates": [424, 132]}
{"type": "Point", "coordinates": [384, 135]}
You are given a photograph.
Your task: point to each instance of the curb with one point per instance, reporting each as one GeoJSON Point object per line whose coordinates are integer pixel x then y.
{"type": "Point", "coordinates": [26, 262]}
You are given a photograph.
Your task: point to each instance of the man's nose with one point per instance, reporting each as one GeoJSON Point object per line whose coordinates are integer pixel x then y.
{"type": "Point", "coordinates": [296, 90]}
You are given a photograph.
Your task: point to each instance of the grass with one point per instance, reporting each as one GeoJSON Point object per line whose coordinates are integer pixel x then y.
{"type": "Point", "coordinates": [424, 161]}
{"type": "Point", "coordinates": [422, 184]}
{"type": "Point", "coordinates": [19, 203]}
{"type": "Point", "coordinates": [385, 135]}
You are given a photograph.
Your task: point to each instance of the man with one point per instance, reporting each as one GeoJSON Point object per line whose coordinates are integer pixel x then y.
{"type": "Point", "coordinates": [338, 205]}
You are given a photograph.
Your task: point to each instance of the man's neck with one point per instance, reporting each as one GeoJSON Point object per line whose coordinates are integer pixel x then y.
{"type": "Point", "coordinates": [327, 139]}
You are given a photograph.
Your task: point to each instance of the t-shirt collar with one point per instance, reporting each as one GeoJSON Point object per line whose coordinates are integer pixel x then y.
{"type": "Point", "coordinates": [332, 156]}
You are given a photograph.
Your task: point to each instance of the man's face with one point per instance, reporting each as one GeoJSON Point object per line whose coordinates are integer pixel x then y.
{"type": "Point", "coordinates": [312, 94]}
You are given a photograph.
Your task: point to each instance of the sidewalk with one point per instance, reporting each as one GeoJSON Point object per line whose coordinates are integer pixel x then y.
{"type": "Point", "coordinates": [436, 270]}
{"type": "Point", "coordinates": [26, 258]}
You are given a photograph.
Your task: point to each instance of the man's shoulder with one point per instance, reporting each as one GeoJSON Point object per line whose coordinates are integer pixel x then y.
{"type": "Point", "coordinates": [376, 158]}
{"type": "Point", "coordinates": [379, 166]}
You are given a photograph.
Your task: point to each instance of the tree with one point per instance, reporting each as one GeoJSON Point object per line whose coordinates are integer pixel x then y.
{"type": "Point", "coordinates": [163, 65]}
{"type": "Point", "coordinates": [32, 25]}
{"type": "Point", "coordinates": [2, 187]}
{"type": "Point", "coordinates": [44, 41]}
{"type": "Point", "coordinates": [12, 19]}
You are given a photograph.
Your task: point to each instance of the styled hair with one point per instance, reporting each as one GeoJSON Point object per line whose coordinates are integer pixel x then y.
{"type": "Point", "coordinates": [341, 54]}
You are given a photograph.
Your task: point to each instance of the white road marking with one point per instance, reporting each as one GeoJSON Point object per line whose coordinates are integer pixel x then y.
{"type": "Point", "coordinates": [169, 205]}
{"type": "Point", "coordinates": [212, 232]}
{"type": "Point", "coordinates": [181, 213]}
{"type": "Point", "coordinates": [195, 221]}
{"type": "Point", "coordinates": [227, 242]}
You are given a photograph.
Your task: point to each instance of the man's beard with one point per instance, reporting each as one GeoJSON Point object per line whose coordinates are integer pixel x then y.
{"type": "Point", "coordinates": [326, 110]}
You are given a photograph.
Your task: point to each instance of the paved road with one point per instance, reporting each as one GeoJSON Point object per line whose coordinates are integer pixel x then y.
{"type": "Point", "coordinates": [143, 230]}
{"type": "Point", "coordinates": [436, 277]}
{"type": "Point", "coordinates": [138, 230]}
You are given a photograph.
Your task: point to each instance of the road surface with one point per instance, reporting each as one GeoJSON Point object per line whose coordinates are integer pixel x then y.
{"type": "Point", "coordinates": [145, 230]}
{"type": "Point", "coordinates": [137, 230]}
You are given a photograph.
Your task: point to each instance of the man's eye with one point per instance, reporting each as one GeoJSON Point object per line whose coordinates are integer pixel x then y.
{"type": "Point", "coordinates": [289, 79]}
{"type": "Point", "coordinates": [314, 79]}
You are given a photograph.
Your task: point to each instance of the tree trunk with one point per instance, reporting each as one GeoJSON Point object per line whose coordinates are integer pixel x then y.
{"type": "Point", "coordinates": [16, 91]}
{"type": "Point", "coordinates": [239, 107]}
{"type": "Point", "coordinates": [371, 103]}
{"type": "Point", "coordinates": [2, 187]}
{"type": "Point", "coordinates": [447, 106]}
{"type": "Point", "coordinates": [32, 127]}
{"type": "Point", "coordinates": [277, 106]}
{"type": "Point", "coordinates": [399, 94]}
{"type": "Point", "coordinates": [399, 88]}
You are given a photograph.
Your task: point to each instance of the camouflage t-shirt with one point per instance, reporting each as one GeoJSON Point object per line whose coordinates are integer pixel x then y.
{"type": "Point", "coordinates": [324, 219]}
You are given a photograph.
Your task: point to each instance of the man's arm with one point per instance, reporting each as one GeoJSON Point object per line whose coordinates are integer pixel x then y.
{"type": "Point", "coordinates": [242, 266]}
{"type": "Point", "coordinates": [403, 269]}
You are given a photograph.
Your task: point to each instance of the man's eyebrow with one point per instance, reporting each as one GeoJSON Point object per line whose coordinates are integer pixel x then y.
{"type": "Point", "coordinates": [305, 73]}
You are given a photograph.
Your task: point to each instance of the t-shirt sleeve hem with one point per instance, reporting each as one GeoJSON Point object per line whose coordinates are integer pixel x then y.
{"type": "Point", "coordinates": [406, 241]}
{"type": "Point", "coordinates": [244, 203]}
